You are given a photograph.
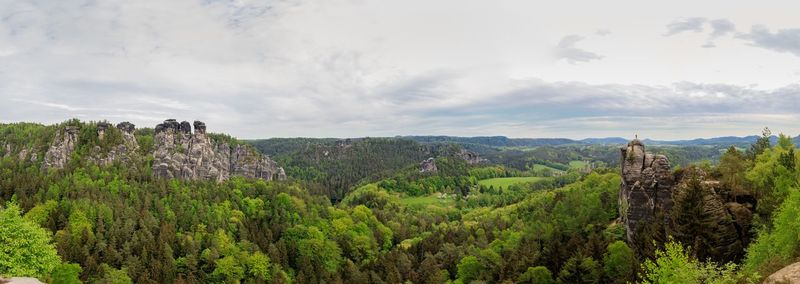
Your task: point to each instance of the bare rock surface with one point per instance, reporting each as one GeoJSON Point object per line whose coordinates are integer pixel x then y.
{"type": "Point", "coordinates": [181, 154]}
{"type": "Point", "coordinates": [646, 186]}
{"type": "Point", "coordinates": [61, 148]}
{"type": "Point", "coordinates": [789, 274]}
{"type": "Point", "coordinates": [650, 189]}
{"type": "Point", "coordinates": [177, 152]}
{"type": "Point", "coordinates": [428, 166]}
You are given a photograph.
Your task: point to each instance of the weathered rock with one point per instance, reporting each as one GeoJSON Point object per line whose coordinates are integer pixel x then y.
{"type": "Point", "coordinates": [428, 166]}
{"type": "Point", "coordinates": [727, 236]}
{"type": "Point", "coordinates": [789, 275]}
{"type": "Point", "coordinates": [61, 148]}
{"type": "Point", "coordinates": [20, 280]}
{"type": "Point", "coordinates": [646, 186]}
{"type": "Point", "coordinates": [199, 127]}
{"type": "Point", "coordinates": [126, 127]}
{"type": "Point", "coordinates": [101, 129]}
{"type": "Point", "coordinates": [124, 152]}
{"type": "Point", "coordinates": [181, 154]}
{"type": "Point", "coordinates": [472, 158]}
{"type": "Point", "coordinates": [186, 128]}
{"type": "Point", "coordinates": [649, 189]}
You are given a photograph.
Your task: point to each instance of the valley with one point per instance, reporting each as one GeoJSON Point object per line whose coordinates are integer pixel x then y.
{"type": "Point", "coordinates": [178, 204]}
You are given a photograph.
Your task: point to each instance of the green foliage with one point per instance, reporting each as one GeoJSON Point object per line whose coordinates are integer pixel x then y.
{"type": "Point", "coordinates": [780, 246]}
{"type": "Point", "coordinates": [580, 270]}
{"type": "Point", "coordinates": [619, 263]}
{"type": "Point", "coordinates": [772, 179]}
{"type": "Point", "coordinates": [469, 269]}
{"type": "Point", "coordinates": [506, 182]}
{"type": "Point", "coordinates": [536, 275]}
{"type": "Point", "coordinates": [66, 273]}
{"type": "Point", "coordinates": [26, 249]}
{"type": "Point", "coordinates": [674, 265]}
{"type": "Point", "coordinates": [114, 276]}
{"type": "Point", "coordinates": [761, 145]}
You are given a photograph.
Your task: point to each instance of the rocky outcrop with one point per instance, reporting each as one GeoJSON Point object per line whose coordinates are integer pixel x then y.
{"type": "Point", "coordinates": [428, 166]}
{"type": "Point", "coordinates": [646, 186]}
{"type": "Point", "coordinates": [123, 151]}
{"type": "Point", "coordinates": [179, 153]}
{"type": "Point", "coordinates": [61, 148]}
{"type": "Point", "coordinates": [789, 274]}
{"type": "Point", "coordinates": [472, 158]}
{"type": "Point", "coordinates": [649, 189]}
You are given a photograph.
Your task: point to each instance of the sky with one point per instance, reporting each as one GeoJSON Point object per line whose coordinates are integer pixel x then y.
{"type": "Point", "coordinates": [353, 68]}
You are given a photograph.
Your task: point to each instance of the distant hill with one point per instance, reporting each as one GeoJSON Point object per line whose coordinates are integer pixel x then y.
{"type": "Point", "coordinates": [502, 141]}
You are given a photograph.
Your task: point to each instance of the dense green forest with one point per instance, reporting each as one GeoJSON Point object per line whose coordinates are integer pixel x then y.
{"type": "Point", "coordinates": [361, 211]}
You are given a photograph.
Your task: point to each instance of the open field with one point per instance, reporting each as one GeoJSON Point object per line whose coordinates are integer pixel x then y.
{"type": "Point", "coordinates": [578, 164]}
{"type": "Point", "coordinates": [505, 182]}
{"type": "Point", "coordinates": [422, 201]}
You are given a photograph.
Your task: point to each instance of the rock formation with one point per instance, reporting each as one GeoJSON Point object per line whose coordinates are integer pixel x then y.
{"type": "Point", "coordinates": [472, 158]}
{"type": "Point", "coordinates": [650, 189]}
{"type": "Point", "coordinates": [61, 148]}
{"type": "Point", "coordinates": [428, 166]}
{"type": "Point", "coordinates": [789, 274]}
{"type": "Point", "coordinates": [179, 153]}
{"type": "Point", "coordinates": [729, 224]}
{"type": "Point", "coordinates": [646, 186]}
{"type": "Point", "coordinates": [123, 152]}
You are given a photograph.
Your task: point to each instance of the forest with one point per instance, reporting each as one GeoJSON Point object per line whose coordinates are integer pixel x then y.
{"type": "Point", "coordinates": [362, 211]}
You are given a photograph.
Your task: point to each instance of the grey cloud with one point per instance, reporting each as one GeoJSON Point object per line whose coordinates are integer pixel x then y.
{"type": "Point", "coordinates": [721, 27]}
{"type": "Point", "coordinates": [685, 25]}
{"type": "Point", "coordinates": [566, 50]}
{"type": "Point", "coordinates": [784, 40]}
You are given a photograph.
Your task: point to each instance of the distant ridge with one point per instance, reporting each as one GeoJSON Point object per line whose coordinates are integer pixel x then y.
{"type": "Point", "coordinates": [503, 141]}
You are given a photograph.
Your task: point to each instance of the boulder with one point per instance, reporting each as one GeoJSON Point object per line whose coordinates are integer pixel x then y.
{"type": "Point", "coordinates": [789, 274]}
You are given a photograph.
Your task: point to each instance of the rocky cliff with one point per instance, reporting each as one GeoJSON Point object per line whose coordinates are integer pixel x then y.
{"type": "Point", "coordinates": [650, 190]}
{"type": "Point", "coordinates": [179, 153]}
{"type": "Point", "coordinates": [61, 148]}
{"type": "Point", "coordinates": [646, 186]}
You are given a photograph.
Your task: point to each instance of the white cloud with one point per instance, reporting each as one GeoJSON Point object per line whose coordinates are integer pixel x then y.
{"type": "Point", "coordinates": [355, 68]}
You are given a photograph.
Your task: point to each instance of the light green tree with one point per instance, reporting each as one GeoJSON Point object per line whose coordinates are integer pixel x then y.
{"type": "Point", "coordinates": [536, 275]}
{"type": "Point", "coordinates": [26, 249]}
{"type": "Point", "coordinates": [469, 269]}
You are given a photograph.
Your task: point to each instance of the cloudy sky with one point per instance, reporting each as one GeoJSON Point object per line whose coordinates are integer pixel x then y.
{"type": "Point", "coordinates": [347, 68]}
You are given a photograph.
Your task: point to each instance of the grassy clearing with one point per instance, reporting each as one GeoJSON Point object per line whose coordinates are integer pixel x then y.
{"type": "Point", "coordinates": [505, 182]}
{"type": "Point", "coordinates": [538, 167]}
{"type": "Point", "coordinates": [424, 201]}
{"type": "Point", "coordinates": [578, 164]}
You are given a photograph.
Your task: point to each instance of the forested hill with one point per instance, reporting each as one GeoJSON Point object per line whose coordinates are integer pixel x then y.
{"type": "Point", "coordinates": [337, 165]}
{"type": "Point", "coordinates": [98, 203]}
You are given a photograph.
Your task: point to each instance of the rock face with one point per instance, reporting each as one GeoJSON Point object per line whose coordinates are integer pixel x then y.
{"type": "Point", "coordinates": [789, 274]}
{"type": "Point", "coordinates": [428, 166]}
{"type": "Point", "coordinates": [179, 153]}
{"type": "Point", "coordinates": [123, 152]}
{"type": "Point", "coordinates": [471, 157]}
{"type": "Point", "coordinates": [61, 149]}
{"type": "Point", "coordinates": [646, 186]}
{"type": "Point", "coordinates": [649, 189]}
